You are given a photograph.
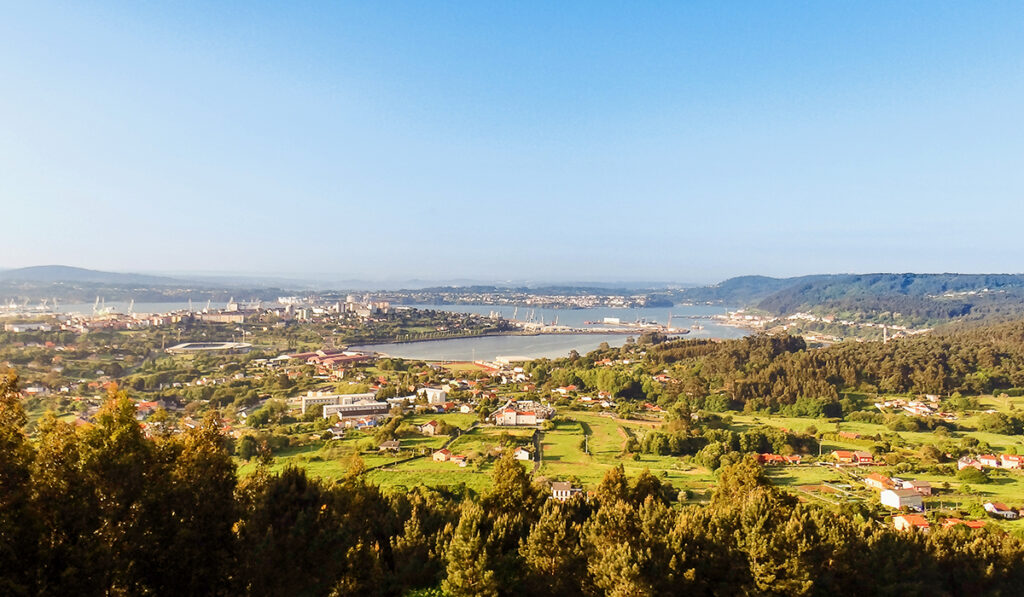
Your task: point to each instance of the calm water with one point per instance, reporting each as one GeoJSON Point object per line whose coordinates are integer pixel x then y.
{"type": "Point", "coordinates": [555, 345]}
{"type": "Point", "coordinates": [579, 317]}
{"type": "Point", "coordinates": [489, 348]}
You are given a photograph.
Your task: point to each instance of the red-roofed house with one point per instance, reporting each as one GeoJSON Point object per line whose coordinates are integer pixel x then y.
{"type": "Point", "coordinates": [1012, 461]}
{"type": "Point", "coordinates": [989, 460]}
{"type": "Point", "coordinates": [878, 481]}
{"type": "Point", "coordinates": [910, 522]}
{"type": "Point", "coordinates": [863, 457]}
{"type": "Point", "coordinates": [429, 428]}
{"type": "Point", "coordinates": [843, 456]}
{"type": "Point", "coordinates": [971, 524]}
{"type": "Point", "coordinates": [1001, 510]}
{"type": "Point", "coordinates": [442, 455]}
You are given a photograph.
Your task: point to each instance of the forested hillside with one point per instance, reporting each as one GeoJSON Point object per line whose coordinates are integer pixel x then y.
{"type": "Point", "coordinates": [914, 299]}
{"type": "Point", "coordinates": [771, 372]}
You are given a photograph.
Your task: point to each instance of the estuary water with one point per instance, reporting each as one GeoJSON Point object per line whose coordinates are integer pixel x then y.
{"type": "Point", "coordinates": [696, 318]}
{"type": "Point", "coordinates": [490, 348]}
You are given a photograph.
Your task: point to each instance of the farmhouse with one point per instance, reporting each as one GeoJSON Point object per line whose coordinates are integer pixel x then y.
{"type": "Point", "coordinates": [389, 446]}
{"type": "Point", "coordinates": [966, 462]}
{"type": "Point", "coordinates": [525, 412]}
{"type": "Point", "coordinates": [922, 487]}
{"type": "Point", "coordinates": [879, 482]}
{"type": "Point", "coordinates": [442, 455]}
{"type": "Point", "coordinates": [430, 428]}
{"type": "Point", "coordinates": [522, 453]}
{"type": "Point", "coordinates": [910, 522]}
{"type": "Point", "coordinates": [989, 460]}
{"type": "Point", "coordinates": [1001, 510]}
{"type": "Point", "coordinates": [902, 498]}
{"type": "Point", "coordinates": [971, 524]}
{"type": "Point", "coordinates": [773, 459]}
{"type": "Point", "coordinates": [1013, 461]}
{"type": "Point", "coordinates": [843, 456]}
{"type": "Point", "coordinates": [563, 491]}
{"type": "Point", "coordinates": [861, 457]}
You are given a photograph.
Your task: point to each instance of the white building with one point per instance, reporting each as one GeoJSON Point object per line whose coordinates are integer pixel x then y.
{"type": "Point", "coordinates": [435, 395]}
{"type": "Point", "coordinates": [525, 412]}
{"type": "Point", "coordinates": [325, 398]}
{"type": "Point", "coordinates": [356, 410]}
{"type": "Point", "coordinates": [902, 498]}
{"type": "Point", "coordinates": [27, 327]}
{"type": "Point", "coordinates": [562, 491]}
{"type": "Point", "coordinates": [1001, 510]}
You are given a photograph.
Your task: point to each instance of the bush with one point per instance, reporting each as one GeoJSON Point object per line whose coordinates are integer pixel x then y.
{"type": "Point", "coordinates": [972, 475]}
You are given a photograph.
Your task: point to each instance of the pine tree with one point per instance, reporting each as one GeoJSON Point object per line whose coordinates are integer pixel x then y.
{"type": "Point", "coordinates": [614, 486]}
{"type": "Point", "coordinates": [17, 529]}
{"type": "Point", "coordinates": [552, 556]}
{"type": "Point", "coordinates": [468, 571]}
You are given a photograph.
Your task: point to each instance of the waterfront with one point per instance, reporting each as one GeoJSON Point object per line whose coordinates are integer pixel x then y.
{"type": "Point", "coordinates": [553, 345]}
{"type": "Point", "coordinates": [696, 318]}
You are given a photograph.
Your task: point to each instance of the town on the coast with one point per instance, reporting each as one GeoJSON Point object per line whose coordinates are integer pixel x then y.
{"type": "Point", "coordinates": [287, 388]}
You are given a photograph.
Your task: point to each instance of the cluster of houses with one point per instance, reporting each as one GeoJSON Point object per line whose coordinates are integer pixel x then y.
{"type": "Point", "coordinates": [518, 413]}
{"type": "Point", "coordinates": [330, 361]}
{"type": "Point", "coordinates": [929, 407]}
{"type": "Point", "coordinates": [855, 457]}
{"type": "Point", "coordinates": [445, 455]}
{"type": "Point", "coordinates": [899, 493]}
{"type": "Point", "coordinates": [603, 400]}
{"type": "Point", "coordinates": [777, 459]}
{"type": "Point", "coordinates": [1004, 461]}
{"type": "Point", "coordinates": [916, 522]}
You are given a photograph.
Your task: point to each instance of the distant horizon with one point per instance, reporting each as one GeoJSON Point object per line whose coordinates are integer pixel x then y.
{"type": "Point", "coordinates": [395, 283]}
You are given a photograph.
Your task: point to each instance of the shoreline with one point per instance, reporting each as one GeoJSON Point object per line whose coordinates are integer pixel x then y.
{"type": "Point", "coordinates": [673, 335]}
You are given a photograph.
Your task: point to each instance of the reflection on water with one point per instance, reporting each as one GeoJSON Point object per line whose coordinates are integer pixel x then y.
{"type": "Point", "coordinates": [549, 346]}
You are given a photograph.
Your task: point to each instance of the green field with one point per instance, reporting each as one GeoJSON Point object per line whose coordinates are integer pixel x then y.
{"type": "Point", "coordinates": [460, 420]}
{"type": "Point", "coordinates": [564, 455]}
{"type": "Point", "coordinates": [585, 445]}
{"type": "Point", "coordinates": [424, 471]}
{"type": "Point", "coordinates": [329, 460]}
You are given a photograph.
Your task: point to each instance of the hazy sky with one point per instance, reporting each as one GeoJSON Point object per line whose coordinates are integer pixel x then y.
{"type": "Point", "coordinates": [633, 140]}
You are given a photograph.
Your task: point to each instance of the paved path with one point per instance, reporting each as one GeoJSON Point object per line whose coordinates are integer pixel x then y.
{"type": "Point", "coordinates": [538, 450]}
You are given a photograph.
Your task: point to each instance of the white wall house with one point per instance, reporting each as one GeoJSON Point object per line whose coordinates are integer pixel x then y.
{"type": "Point", "coordinates": [902, 498]}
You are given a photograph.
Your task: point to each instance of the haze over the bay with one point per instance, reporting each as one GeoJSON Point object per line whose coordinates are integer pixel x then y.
{"type": "Point", "coordinates": [524, 141]}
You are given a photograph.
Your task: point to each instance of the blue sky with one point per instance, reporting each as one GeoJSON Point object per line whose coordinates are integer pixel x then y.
{"type": "Point", "coordinates": [541, 141]}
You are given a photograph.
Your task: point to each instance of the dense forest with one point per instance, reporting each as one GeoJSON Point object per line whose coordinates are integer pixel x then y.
{"type": "Point", "coordinates": [778, 372]}
{"type": "Point", "coordinates": [103, 510]}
